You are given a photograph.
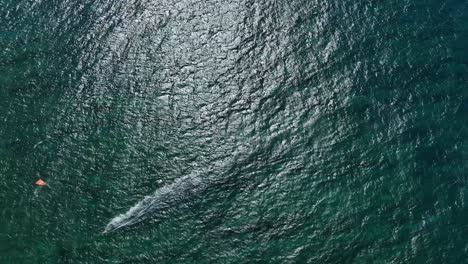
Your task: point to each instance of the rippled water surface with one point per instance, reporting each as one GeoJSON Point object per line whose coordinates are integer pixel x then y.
{"type": "Point", "coordinates": [216, 131]}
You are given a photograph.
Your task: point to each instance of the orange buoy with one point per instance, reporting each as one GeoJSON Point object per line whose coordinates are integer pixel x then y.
{"type": "Point", "coordinates": [41, 183]}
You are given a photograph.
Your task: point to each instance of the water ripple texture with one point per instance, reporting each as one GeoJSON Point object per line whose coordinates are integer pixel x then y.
{"type": "Point", "coordinates": [302, 131]}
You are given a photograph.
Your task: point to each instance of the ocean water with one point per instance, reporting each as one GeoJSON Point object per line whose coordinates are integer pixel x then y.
{"type": "Point", "coordinates": [301, 131]}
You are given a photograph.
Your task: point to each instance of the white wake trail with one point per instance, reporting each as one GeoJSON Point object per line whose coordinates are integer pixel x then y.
{"type": "Point", "coordinates": [159, 203]}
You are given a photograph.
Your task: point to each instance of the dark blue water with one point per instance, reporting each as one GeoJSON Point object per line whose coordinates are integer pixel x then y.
{"type": "Point", "coordinates": [234, 131]}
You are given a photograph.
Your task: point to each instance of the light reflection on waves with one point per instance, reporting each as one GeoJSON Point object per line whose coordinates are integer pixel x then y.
{"type": "Point", "coordinates": [158, 204]}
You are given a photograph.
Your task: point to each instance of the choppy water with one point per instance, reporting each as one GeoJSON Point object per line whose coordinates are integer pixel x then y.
{"type": "Point", "coordinates": [213, 131]}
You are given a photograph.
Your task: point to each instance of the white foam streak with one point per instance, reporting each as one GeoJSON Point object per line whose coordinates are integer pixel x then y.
{"type": "Point", "coordinates": [163, 199]}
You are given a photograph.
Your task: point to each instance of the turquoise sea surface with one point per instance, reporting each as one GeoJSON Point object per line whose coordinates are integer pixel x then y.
{"type": "Point", "coordinates": [240, 131]}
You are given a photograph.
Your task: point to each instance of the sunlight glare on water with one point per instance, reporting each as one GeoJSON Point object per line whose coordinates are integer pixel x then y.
{"type": "Point", "coordinates": [233, 131]}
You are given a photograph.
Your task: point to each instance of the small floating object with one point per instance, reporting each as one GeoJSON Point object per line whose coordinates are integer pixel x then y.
{"type": "Point", "coordinates": [40, 182]}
